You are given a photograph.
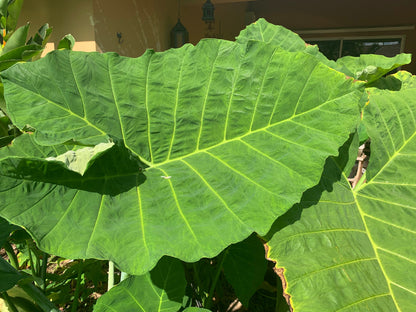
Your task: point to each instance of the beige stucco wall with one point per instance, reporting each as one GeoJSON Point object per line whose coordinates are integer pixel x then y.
{"type": "Point", "coordinates": [304, 14]}
{"type": "Point", "coordinates": [142, 24]}
{"type": "Point", "coordinates": [75, 17]}
{"type": "Point", "coordinates": [229, 20]}
{"type": "Point", "coordinates": [147, 23]}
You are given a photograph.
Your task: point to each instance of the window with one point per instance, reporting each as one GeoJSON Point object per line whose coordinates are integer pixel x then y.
{"type": "Point", "coordinates": [336, 48]}
{"type": "Point", "coordinates": [338, 42]}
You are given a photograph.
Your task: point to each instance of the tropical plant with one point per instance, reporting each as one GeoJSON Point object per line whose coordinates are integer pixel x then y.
{"type": "Point", "coordinates": [161, 162]}
{"type": "Point", "coordinates": [14, 48]}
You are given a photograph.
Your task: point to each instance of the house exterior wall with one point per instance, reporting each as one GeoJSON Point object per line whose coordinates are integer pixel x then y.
{"type": "Point", "coordinates": [147, 24]}
{"type": "Point", "coordinates": [229, 20]}
{"type": "Point", "coordinates": [142, 24]}
{"type": "Point", "coordinates": [302, 14]}
{"type": "Point", "coordinates": [65, 17]}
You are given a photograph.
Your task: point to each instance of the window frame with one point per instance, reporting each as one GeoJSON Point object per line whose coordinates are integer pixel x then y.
{"type": "Point", "coordinates": [342, 38]}
{"type": "Point", "coordinates": [363, 33]}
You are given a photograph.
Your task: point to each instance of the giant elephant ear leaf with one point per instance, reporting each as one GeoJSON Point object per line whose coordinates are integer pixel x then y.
{"type": "Point", "coordinates": [263, 31]}
{"type": "Point", "coordinates": [370, 67]}
{"type": "Point", "coordinates": [353, 250]}
{"type": "Point", "coordinates": [367, 68]}
{"type": "Point", "coordinates": [281, 37]}
{"type": "Point", "coordinates": [231, 135]}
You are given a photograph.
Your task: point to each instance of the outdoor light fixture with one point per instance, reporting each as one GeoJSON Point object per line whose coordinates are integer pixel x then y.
{"type": "Point", "coordinates": [208, 12]}
{"type": "Point", "coordinates": [179, 34]}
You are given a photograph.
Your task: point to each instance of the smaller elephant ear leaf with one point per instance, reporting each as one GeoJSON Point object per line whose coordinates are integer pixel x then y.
{"type": "Point", "coordinates": [162, 289]}
{"type": "Point", "coordinates": [371, 67]}
{"type": "Point", "coordinates": [244, 267]}
{"type": "Point", "coordinates": [282, 38]}
{"type": "Point", "coordinates": [346, 249]}
{"type": "Point", "coordinates": [9, 276]}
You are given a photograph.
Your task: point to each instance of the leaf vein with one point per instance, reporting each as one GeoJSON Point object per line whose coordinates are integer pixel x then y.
{"type": "Point", "coordinates": [363, 300]}
{"type": "Point", "coordinates": [340, 265]}
{"type": "Point", "coordinates": [175, 197]}
{"type": "Point", "coordinates": [214, 192]}
{"type": "Point", "coordinates": [241, 174]}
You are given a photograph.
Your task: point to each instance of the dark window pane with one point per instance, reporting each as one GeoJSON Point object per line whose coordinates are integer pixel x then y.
{"type": "Point", "coordinates": [330, 48]}
{"type": "Point", "coordinates": [386, 47]}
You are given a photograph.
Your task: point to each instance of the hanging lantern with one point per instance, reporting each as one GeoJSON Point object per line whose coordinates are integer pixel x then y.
{"type": "Point", "coordinates": [179, 35]}
{"type": "Point", "coordinates": [208, 12]}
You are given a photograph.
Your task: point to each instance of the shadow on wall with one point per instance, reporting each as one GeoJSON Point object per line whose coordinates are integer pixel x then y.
{"type": "Point", "coordinates": [129, 27]}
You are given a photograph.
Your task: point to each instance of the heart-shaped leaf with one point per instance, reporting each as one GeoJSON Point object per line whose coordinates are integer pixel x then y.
{"type": "Point", "coordinates": [244, 267]}
{"type": "Point", "coordinates": [231, 135]}
{"type": "Point", "coordinates": [353, 250]}
{"type": "Point", "coordinates": [161, 289]}
{"type": "Point", "coordinates": [283, 38]}
{"type": "Point", "coordinates": [370, 67]}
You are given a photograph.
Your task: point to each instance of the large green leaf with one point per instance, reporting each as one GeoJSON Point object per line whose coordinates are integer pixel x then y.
{"type": "Point", "coordinates": [17, 39]}
{"type": "Point", "coordinates": [283, 38]}
{"type": "Point", "coordinates": [278, 35]}
{"type": "Point", "coordinates": [244, 267]}
{"type": "Point", "coordinates": [162, 289]}
{"type": "Point", "coordinates": [370, 67]}
{"type": "Point", "coordinates": [13, 9]}
{"type": "Point", "coordinates": [353, 250]}
{"type": "Point", "coordinates": [9, 276]}
{"type": "Point", "coordinates": [231, 135]}
{"type": "Point", "coordinates": [21, 53]}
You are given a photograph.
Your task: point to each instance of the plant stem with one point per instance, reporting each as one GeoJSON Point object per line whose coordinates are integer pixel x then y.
{"type": "Point", "coordinates": [45, 257]}
{"type": "Point", "coordinates": [198, 283]}
{"type": "Point", "coordinates": [12, 256]}
{"type": "Point", "coordinates": [110, 275]}
{"type": "Point", "coordinates": [196, 274]}
{"type": "Point", "coordinates": [77, 288]}
{"type": "Point", "coordinates": [32, 265]}
{"type": "Point", "coordinates": [9, 302]}
{"type": "Point", "coordinates": [217, 276]}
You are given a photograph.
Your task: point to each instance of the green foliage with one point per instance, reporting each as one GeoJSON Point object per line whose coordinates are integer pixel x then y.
{"type": "Point", "coordinates": [200, 112]}
{"type": "Point", "coordinates": [244, 267]}
{"type": "Point", "coordinates": [186, 153]}
{"type": "Point", "coordinates": [16, 48]}
{"type": "Point", "coordinates": [9, 275]}
{"type": "Point", "coordinates": [67, 42]}
{"type": "Point", "coordinates": [363, 234]}
{"type": "Point", "coordinates": [363, 68]}
{"type": "Point", "coordinates": [161, 289]}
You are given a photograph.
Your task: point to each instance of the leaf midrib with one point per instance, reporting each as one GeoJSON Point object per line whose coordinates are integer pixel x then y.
{"type": "Point", "coordinates": [225, 141]}
{"type": "Point", "coordinates": [396, 153]}
{"type": "Point", "coordinates": [373, 244]}
{"type": "Point", "coordinates": [239, 138]}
